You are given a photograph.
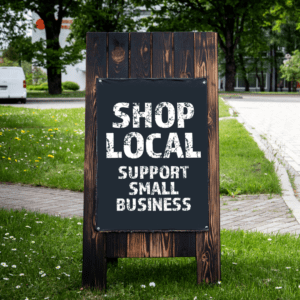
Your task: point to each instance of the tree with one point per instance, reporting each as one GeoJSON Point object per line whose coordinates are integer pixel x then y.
{"type": "Point", "coordinates": [103, 16]}
{"type": "Point", "coordinates": [287, 24]}
{"type": "Point", "coordinates": [48, 53]}
{"type": "Point", "coordinates": [227, 18]}
{"type": "Point", "coordinates": [12, 23]}
{"type": "Point", "coordinates": [291, 68]}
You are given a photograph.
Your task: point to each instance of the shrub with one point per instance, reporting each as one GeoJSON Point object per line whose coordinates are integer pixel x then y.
{"type": "Point", "coordinates": [70, 85]}
{"type": "Point", "coordinates": [36, 88]}
{"type": "Point", "coordinates": [29, 87]}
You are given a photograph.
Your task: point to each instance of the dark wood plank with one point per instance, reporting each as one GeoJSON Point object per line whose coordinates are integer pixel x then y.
{"type": "Point", "coordinates": [116, 245]}
{"type": "Point", "coordinates": [94, 243]}
{"type": "Point", "coordinates": [208, 244]}
{"type": "Point", "coordinates": [213, 158]}
{"type": "Point", "coordinates": [117, 55]}
{"type": "Point", "coordinates": [118, 67]}
{"type": "Point", "coordinates": [184, 55]}
{"type": "Point", "coordinates": [200, 54]}
{"type": "Point", "coordinates": [184, 243]}
{"type": "Point", "coordinates": [140, 56]}
{"type": "Point", "coordinates": [138, 245]}
{"type": "Point", "coordinates": [161, 244]}
{"type": "Point", "coordinates": [162, 55]}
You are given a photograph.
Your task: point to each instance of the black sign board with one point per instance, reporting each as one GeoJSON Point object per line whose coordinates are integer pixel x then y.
{"type": "Point", "coordinates": [152, 143]}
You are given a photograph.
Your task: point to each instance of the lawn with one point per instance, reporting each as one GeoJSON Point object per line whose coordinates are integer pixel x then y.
{"type": "Point", "coordinates": [46, 148]}
{"type": "Point", "coordinates": [41, 258]}
{"type": "Point", "coordinates": [223, 109]}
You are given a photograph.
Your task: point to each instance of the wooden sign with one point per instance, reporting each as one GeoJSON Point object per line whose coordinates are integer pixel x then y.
{"type": "Point", "coordinates": [141, 89]}
{"type": "Point", "coordinates": [152, 154]}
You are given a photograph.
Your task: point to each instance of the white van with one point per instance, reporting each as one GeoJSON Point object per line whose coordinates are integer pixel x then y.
{"type": "Point", "coordinates": [12, 84]}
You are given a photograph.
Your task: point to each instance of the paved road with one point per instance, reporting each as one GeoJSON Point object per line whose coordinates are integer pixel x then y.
{"type": "Point", "coordinates": [278, 120]}
{"type": "Point", "coordinates": [49, 104]}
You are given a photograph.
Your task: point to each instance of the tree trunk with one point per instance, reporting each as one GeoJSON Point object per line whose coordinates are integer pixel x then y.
{"type": "Point", "coordinates": [271, 70]}
{"type": "Point", "coordinates": [54, 81]}
{"type": "Point", "coordinates": [244, 72]}
{"type": "Point", "coordinates": [262, 87]}
{"type": "Point", "coordinates": [276, 70]}
{"type": "Point", "coordinates": [53, 70]}
{"type": "Point", "coordinates": [289, 86]}
{"type": "Point", "coordinates": [230, 73]}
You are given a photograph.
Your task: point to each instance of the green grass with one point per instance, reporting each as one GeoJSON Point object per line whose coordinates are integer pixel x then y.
{"type": "Point", "coordinates": [65, 94]}
{"type": "Point", "coordinates": [223, 109]}
{"type": "Point", "coordinates": [29, 136]}
{"type": "Point", "coordinates": [252, 266]}
{"type": "Point", "coordinates": [243, 167]}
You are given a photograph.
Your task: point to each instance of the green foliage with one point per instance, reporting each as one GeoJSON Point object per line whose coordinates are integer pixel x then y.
{"type": "Point", "coordinates": [38, 76]}
{"type": "Point", "coordinates": [291, 69]}
{"type": "Point", "coordinates": [13, 21]}
{"type": "Point", "coordinates": [28, 78]}
{"type": "Point", "coordinates": [103, 16]}
{"type": "Point", "coordinates": [48, 53]}
{"type": "Point", "coordinates": [37, 87]}
{"type": "Point", "coordinates": [8, 63]}
{"type": "Point", "coordinates": [70, 85]}
{"type": "Point", "coordinates": [230, 19]}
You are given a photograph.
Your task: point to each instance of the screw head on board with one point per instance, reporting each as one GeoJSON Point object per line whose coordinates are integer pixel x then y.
{"type": "Point", "coordinates": [100, 80]}
{"type": "Point", "coordinates": [98, 228]}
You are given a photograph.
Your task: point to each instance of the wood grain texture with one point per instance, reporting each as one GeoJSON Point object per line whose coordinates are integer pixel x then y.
{"type": "Point", "coordinates": [140, 56]}
{"type": "Point", "coordinates": [138, 244]}
{"type": "Point", "coordinates": [118, 55]}
{"type": "Point", "coordinates": [118, 67]}
{"type": "Point", "coordinates": [208, 244]}
{"type": "Point", "coordinates": [94, 243]}
{"type": "Point", "coordinates": [184, 55]}
{"type": "Point", "coordinates": [184, 243]}
{"type": "Point", "coordinates": [200, 54]}
{"type": "Point", "coordinates": [162, 55]}
{"type": "Point", "coordinates": [116, 245]}
{"type": "Point", "coordinates": [161, 244]}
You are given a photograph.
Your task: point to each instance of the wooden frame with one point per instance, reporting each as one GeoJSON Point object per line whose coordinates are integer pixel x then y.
{"type": "Point", "coordinates": [150, 55]}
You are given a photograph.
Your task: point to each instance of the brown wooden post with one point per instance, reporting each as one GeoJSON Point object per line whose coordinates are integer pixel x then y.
{"type": "Point", "coordinates": [150, 55]}
{"type": "Point", "coordinates": [208, 243]}
{"type": "Point", "coordinates": [94, 243]}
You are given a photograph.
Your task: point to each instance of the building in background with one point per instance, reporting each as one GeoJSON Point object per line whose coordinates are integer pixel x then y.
{"type": "Point", "coordinates": [74, 73]}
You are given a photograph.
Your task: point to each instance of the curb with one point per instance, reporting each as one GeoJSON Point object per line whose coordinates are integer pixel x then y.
{"type": "Point", "coordinates": [54, 99]}
{"type": "Point", "coordinates": [287, 190]}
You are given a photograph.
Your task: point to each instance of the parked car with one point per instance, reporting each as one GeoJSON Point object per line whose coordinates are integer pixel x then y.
{"type": "Point", "coordinates": [12, 84]}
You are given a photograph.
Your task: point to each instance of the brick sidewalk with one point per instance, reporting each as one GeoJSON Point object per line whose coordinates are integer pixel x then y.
{"type": "Point", "coordinates": [248, 212]}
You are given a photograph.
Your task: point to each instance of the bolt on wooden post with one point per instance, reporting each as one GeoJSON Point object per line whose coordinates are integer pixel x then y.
{"type": "Point", "coordinates": [151, 172]}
